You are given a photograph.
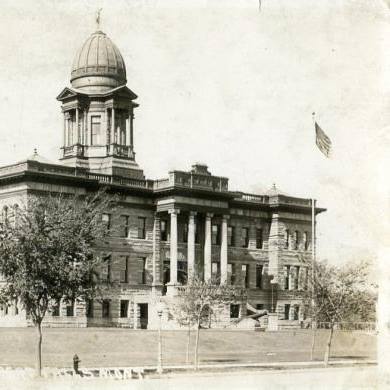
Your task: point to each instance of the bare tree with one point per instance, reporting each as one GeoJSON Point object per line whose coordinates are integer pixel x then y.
{"type": "Point", "coordinates": [340, 294]}
{"type": "Point", "coordinates": [198, 302]}
{"type": "Point", "coordinates": [47, 253]}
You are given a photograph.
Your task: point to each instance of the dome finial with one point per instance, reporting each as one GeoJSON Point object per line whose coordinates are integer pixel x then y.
{"type": "Point", "coordinates": [98, 19]}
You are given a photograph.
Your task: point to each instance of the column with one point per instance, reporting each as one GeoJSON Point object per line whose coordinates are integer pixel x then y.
{"type": "Point", "coordinates": [224, 249]}
{"type": "Point", "coordinates": [86, 138]}
{"type": "Point", "coordinates": [106, 128]}
{"type": "Point", "coordinates": [64, 134]}
{"type": "Point", "coordinates": [191, 246]}
{"type": "Point", "coordinates": [173, 247]}
{"type": "Point", "coordinates": [156, 251]}
{"type": "Point", "coordinates": [77, 127]}
{"type": "Point", "coordinates": [112, 125]}
{"type": "Point", "coordinates": [207, 248]}
{"type": "Point", "coordinates": [128, 129]}
{"type": "Point", "coordinates": [131, 131]}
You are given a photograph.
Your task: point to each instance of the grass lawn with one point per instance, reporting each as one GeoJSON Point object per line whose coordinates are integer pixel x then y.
{"type": "Point", "coordinates": [107, 347]}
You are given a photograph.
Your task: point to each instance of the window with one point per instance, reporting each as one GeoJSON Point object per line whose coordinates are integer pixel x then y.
{"type": "Point", "coordinates": [70, 309]}
{"type": "Point", "coordinates": [124, 269]}
{"type": "Point", "coordinates": [144, 270]}
{"type": "Point", "coordinates": [245, 237]}
{"type": "Point", "coordinates": [296, 313]}
{"type": "Point", "coordinates": [216, 234]}
{"type": "Point", "coordinates": [296, 240]}
{"type": "Point", "coordinates": [306, 240]}
{"type": "Point", "coordinates": [124, 226]}
{"type": "Point", "coordinates": [231, 272]}
{"type": "Point", "coordinates": [163, 230]}
{"type": "Point", "coordinates": [296, 278]}
{"type": "Point", "coordinates": [286, 311]}
{"type": "Point", "coordinates": [55, 310]}
{"type": "Point", "coordinates": [287, 239]}
{"type": "Point", "coordinates": [4, 214]}
{"type": "Point", "coordinates": [90, 308]}
{"type": "Point", "coordinates": [196, 232]}
{"type": "Point", "coordinates": [245, 274]}
{"type": "Point", "coordinates": [124, 308]}
{"type": "Point", "coordinates": [260, 306]}
{"type": "Point", "coordinates": [107, 260]}
{"type": "Point", "coordinates": [184, 232]}
{"type": "Point", "coordinates": [106, 218]}
{"type": "Point", "coordinates": [95, 129]}
{"type": "Point", "coordinates": [259, 276]}
{"type": "Point", "coordinates": [234, 311]}
{"type": "Point", "coordinates": [141, 228]}
{"type": "Point", "coordinates": [106, 308]}
{"type": "Point", "coordinates": [259, 238]}
{"type": "Point", "coordinates": [286, 276]}
{"type": "Point", "coordinates": [231, 234]}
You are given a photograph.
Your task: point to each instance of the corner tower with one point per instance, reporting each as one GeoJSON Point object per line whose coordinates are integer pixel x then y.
{"type": "Point", "coordinates": [98, 112]}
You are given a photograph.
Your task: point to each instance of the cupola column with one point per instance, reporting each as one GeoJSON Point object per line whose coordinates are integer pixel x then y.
{"type": "Point", "coordinates": [77, 127]}
{"type": "Point", "coordinates": [112, 125]}
{"type": "Point", "coordinates": [131, 138]}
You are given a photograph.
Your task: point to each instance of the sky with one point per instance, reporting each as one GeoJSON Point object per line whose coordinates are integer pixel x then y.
{"type": "Point", "coordinates": [230, 85]}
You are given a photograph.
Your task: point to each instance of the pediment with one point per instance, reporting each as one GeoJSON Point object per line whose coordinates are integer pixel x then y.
{"type": "Point", "coordinates": [67, 93]}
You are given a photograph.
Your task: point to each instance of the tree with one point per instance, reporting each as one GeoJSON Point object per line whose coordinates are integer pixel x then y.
{"type": "Point", "coordinates": [340, 294]}
{"type": "Point", "coordinates": [47, 253]}
{"type": "Point", "coordinates": [196, 304]}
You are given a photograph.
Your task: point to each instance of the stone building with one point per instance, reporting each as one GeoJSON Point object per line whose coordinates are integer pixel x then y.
{"type": "Point", "coordinates": [166, 230]}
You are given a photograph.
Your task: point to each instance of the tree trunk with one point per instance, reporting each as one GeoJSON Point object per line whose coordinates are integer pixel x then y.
{"type": "Point", "coordinates": [313, 342]}
{"type": "Point", "coordinates": [328, 344]}
{"type": "Point", "coordinates": [39, 350]}
{"type": "Point", "coordinates": [197, 344]}
{"type": "Point", "coordinates": [188, 344]}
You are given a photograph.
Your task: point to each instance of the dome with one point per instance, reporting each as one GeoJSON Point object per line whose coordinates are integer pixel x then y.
{"type": "Point", "coordinates": [98, 65]}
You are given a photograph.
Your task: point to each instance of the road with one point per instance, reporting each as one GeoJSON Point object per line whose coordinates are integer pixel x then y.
{"type": "Point", "coordinates": [318, 379]}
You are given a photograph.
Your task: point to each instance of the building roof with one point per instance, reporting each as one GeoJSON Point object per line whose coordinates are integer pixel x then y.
{"type": "Point", "coordinates": [38, 158]}
{"type": "Point", "coordinates": [100, 59]}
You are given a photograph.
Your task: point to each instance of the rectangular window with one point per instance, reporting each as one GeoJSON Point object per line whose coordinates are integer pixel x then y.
{"type": "Point", "coordinates": [107, 260]}
{"type": "Point", "coordinates": [259, 276]}
{"type": "Point", "coordinates": [231, 234]}
{"type": "Point", "coordinates": [287, 239]}
{"type": "Point", "coordinates": [296, 240]}
{"type": "Point", "coordinates": [95, 129]}
{"type": "Point", "coordinates": [106, 218]}
{"type": "Point", "coordinates": [163, 230]}
{"type": "Point", "coordinates": [286, 311]}
{"type": "Point", "coordinates": [124, 308]}
{"type": "Point", "coordinates": [306, 240]}
{"type": "Point", "coordinates": [216, 234]}
{"type": "Point", "coordinates": [106, 308]}
{"type": "Point", "coordinates": [144, 271]}
{"type": "Point", "coordinates": [55, 311]}
{"type": "Point", "coordinates": [90, 308]}
{"type": "Point", "coordinates": [259, 238]}
{"type": "Point", "coordinates": [296, 312]}
{"type": "Point", "coordinates": [124, 269]}
{"type": "Point", "coordinates": [184, 231]}
{"type": "Point", "coordinates": [70, 309]}
{"type": "Point", "coordinates": [296, 278]}
{"type": "Point", "coordinates": [245, 274]}
{"type": "Point", "coordinates": [286, 269]}
{"type": "Point", "coordinates": [244, 237]}
{"type": "Point", "coordinates": [260, 306]}
{"type": "Point", "coordinates": [196, 233]}
{"type": "Point", "coordinates": [124, 225]}
{"type": "Point", "coordinates": [231, 273]}
{"type": "Point", "coordinates": [141, 228]}
{"type": "Point", "coordinates": [234, 311]}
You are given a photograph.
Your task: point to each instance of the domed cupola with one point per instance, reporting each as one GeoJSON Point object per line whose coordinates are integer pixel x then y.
{"type": "Point", "coordinates": [98, 65]}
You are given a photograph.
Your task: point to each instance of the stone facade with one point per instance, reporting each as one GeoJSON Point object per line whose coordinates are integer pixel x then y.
{"type": "Point", "coordinates": [164, 231]}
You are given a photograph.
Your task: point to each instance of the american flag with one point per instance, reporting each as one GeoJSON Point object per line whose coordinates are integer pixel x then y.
{"type": "Point", "coordinates": [323, 141]}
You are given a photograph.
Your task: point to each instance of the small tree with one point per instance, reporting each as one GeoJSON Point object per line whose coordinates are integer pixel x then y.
{"type": "Point", "coordinates": [46, 253]}
{"type": "Point", "coordinates": [341, 293]}
{"type": "Point", "coordinates": [196, 304]}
